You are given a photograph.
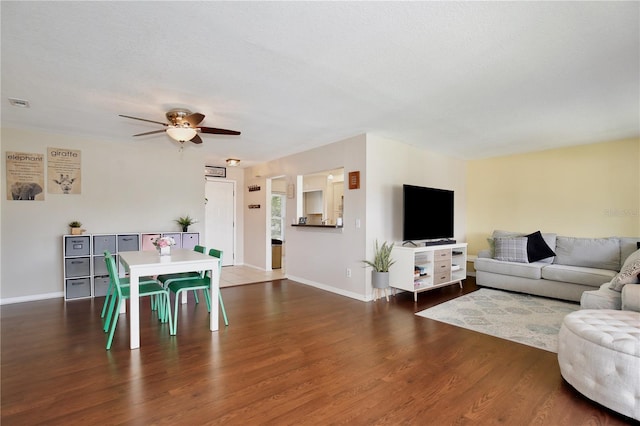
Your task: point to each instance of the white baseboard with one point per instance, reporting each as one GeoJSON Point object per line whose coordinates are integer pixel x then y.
{"type": "Point", "coordinates": [33, 298]}
{"type": "Point", "coordinates": [328, 288]}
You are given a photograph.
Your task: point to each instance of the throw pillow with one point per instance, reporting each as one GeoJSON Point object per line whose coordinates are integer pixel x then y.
{"type": "Point", "coordinates": [500, 234]}
{"type": "Point", "coordinates": [511, 249]}
{"type": "Point", "coordinates": [537, 247]}
{"type": "Point", "coordinates": [629, 274]}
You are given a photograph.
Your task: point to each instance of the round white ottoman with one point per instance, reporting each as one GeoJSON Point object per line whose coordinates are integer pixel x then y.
{"type": "Point", "coordinates": [599, 355]}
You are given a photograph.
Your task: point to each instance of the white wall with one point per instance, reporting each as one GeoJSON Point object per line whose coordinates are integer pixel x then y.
{"type": "Point", "coordinates": [321, 257]}
{"type": "Point", "coordinates": [390, 164]}
{"type": "Point", "coordinates": [143, 187]}
{"type": "Point", "coordinates": [129, 186]}
{"type": "Point", "coordinates": [317, 257]}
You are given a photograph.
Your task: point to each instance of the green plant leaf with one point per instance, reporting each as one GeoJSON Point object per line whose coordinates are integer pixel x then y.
{"type": "Point", "coordinates": [381, 257]}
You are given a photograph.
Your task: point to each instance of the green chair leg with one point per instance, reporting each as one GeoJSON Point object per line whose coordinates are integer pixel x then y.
{"type": "Point", "coordinates": [110, 313]}
{"type": "Point", "coordinates": [106, 299]}
{"type": "Point", "coordinates": [224, 311]}
{"type": "Point", "coordinates": [174, 329]}
{"type": "Point", "coordinates": [113, 325]}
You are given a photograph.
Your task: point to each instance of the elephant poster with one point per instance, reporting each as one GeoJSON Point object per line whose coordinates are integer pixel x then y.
{"type": "Point", "coordinates": [25, 176]}
{"type": "Point", "coordinates": [63, 171]}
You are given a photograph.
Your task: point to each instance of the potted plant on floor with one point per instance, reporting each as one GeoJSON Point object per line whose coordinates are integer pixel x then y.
{"type": "Point", "coordinates": [381, 263]}
{"type": "Point", "coordinates": [185, 222]}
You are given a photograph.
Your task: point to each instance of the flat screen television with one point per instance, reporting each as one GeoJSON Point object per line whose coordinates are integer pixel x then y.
{"type": "Point", "coordinates": [427, 213]}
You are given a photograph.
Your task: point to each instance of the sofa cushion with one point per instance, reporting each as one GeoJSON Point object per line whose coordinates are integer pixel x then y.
{"type": "Point", "coordinates": [629, 272]}
{"type": "Point", "coordinates": [627, 246]}
{"type": "Point", "coordinates": [511, 249]}
{"type": "Point", "coordinates": [631, 297]}
{"type": "Point", "coordinates": [524, 270]}
{"type": "Point", "coordinates": [538, 249]}
{"type": "Point", "coordinates": [577, 274]}
{"type": "Point", "coordinates": [603, 298]}
{"type": "Point", "coordinates": [600, 253]}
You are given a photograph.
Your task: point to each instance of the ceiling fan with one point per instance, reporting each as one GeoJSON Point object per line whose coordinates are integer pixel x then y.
{"type": "Point", "coordinates": [183, 126]}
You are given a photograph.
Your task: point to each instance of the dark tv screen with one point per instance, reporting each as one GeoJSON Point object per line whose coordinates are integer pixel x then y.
{"type": "Point", "coordinates": [427, 213]}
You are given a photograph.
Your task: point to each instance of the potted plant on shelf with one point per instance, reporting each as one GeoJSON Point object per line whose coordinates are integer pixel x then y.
{"type": "Point", "coordinates": [381, 263]}
{"type": "Point", "coordinates": [185, 222]}
{"type": "Point", "coordinates": [75, 227]}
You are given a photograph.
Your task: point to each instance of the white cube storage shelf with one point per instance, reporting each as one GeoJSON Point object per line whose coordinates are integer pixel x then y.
{"type": "Point", "coordinates": [418, 269]}
{"type": "Point", "coordinates": [84, 271]}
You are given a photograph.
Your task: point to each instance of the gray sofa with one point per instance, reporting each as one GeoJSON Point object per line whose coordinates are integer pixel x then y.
{"type": "Point", "coordinates": [576, 266]}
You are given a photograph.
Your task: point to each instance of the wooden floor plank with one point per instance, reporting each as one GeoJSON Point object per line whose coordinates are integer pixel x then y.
{"type": "Point", "coordinates": [293, 354]}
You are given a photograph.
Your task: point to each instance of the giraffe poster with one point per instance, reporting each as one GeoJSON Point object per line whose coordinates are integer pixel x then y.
{"type": "Point", "coordinates": [24, 176]}
{"type": "Point", "coordinates": [63, 171]}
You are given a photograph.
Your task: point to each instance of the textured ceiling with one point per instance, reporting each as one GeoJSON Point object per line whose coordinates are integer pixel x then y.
{"type": "Point", "coordinates": [467, 79]}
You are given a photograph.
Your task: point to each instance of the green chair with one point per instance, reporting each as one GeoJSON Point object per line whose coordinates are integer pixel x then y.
{"type": "Point", "coordinates": [218, 254]}
{"type": "Point", "coordinates": [123, 293]}
{"type": "Point", "coordinates": [124, 282]}
{"type": "Point", "coordinates": [201, 283]}
{"type": "Point", "coordinates": [166, 279]}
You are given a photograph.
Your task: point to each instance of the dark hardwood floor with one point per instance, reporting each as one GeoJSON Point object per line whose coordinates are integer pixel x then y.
{"type": "Point", "coordinates": [292, 354]}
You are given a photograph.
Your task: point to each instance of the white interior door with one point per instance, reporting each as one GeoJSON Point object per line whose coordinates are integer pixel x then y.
{"type": "Point", "coordinates": [219, 224]}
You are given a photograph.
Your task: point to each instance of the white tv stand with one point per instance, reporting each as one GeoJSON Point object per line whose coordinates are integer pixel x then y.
{"type": "Point", "coordinates": [440, 265]}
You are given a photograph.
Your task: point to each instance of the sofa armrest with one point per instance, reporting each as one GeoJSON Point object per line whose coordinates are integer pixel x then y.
{"type": "Point", "coordinates": [486, 254]}
{"type": "Point", "coordinates": [631, 297]}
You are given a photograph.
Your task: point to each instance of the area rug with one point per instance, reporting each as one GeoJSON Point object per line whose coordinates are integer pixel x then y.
{"type": "Point", "coordinates": [530, 320]}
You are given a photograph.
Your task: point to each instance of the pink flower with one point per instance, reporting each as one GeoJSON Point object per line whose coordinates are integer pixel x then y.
{"type": "Point", "coordinates": [164, 242]}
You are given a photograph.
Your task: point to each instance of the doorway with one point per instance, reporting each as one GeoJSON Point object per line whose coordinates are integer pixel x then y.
{"type": "Point", "coordinates": [220, 215]}
{"type": "Point", "coordinates": [277, 220]}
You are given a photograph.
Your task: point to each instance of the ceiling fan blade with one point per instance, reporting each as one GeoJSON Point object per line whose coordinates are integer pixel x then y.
{"type": "Point", "coordinates": [196, 139]}
{"type": "Point", "coordinates": [215, 131]}
{"type": "Point", "coordinates": [143, 119]}
{"type": "Point", "coordinates": [150, 133]}
{"type": "Point", "coordinates": [194, 119]}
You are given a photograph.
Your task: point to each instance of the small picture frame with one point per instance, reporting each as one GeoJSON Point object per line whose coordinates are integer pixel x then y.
{"type": "Point", "coordinates": [214, 171]}
{"type": "Point", "coordinates": [302, 221]}
{"type": "Point", "coordinates": [354, 180]}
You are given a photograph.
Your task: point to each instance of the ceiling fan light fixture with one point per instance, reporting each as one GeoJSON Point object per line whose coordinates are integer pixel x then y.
{"type": "Point", "coordinates": [180, 133]}
{"type": "Point", "coordinates": [232, 162]}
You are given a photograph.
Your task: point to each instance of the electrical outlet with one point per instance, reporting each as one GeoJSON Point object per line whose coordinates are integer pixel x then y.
{"type": "Point", "coordinates": [348, 272]}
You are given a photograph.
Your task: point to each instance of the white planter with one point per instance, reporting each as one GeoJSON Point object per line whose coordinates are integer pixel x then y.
{"type": "Point", "coordinates": [165, 251]}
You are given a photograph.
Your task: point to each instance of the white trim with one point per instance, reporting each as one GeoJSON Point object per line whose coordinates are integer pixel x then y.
{"type": "Point", "coordinates": [32, 298]}
{"type": "Point", "coordinates": [335, 290]}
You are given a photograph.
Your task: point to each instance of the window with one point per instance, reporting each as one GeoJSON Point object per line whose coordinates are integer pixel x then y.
{"type": "Point", "coordinates": [278, 207]}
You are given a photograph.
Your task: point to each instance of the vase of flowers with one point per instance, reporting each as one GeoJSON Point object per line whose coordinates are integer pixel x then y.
{"type": "Point", "coordinates": [163, 244]}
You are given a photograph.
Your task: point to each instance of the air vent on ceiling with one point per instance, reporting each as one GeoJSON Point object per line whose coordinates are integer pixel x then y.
{"type": "Point", "coordinates": [20, 103]}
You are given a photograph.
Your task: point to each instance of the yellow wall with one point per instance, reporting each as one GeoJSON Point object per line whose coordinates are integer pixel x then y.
{"type": "Point", "coordinates": [583, 191]}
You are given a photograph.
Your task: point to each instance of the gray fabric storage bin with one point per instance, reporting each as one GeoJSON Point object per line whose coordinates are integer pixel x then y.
{"type": "Point", "coordinates": [100, 286]}
{"type": "Point", "coordinates": [128, 243]}
{"type": "Point", "coordinates": [104, 242]}
{"type": "Point", "coordinates": [77, 267]}
{"type": "Point", "coordinates": [99, 266]}
{"type": "Point", "coordinates": [79, 287]}
{"type": "Point", "coordinates": [76, 246]}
